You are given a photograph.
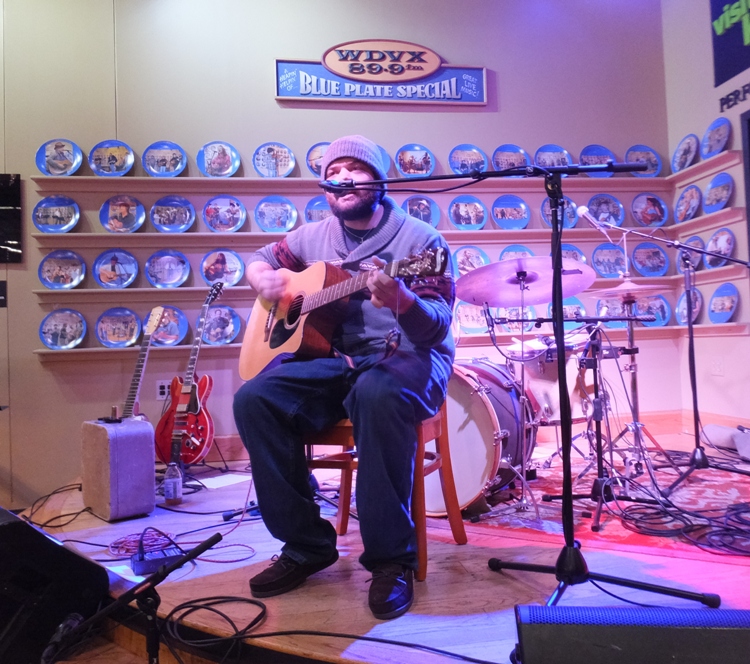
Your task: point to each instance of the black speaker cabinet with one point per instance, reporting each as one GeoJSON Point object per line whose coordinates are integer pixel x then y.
{"type": "Point", "coordinates": [41, 583]}
{"type": "Point", "coordinates": [571, 635]}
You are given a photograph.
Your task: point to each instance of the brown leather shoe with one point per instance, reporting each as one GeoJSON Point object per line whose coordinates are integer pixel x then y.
{"type": "Point", "coordinates": [392, 590]}
{"type": "Point", "coordinates": [285, 574]}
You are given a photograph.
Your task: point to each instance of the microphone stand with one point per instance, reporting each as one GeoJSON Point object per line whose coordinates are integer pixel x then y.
{"type": "Point", "coordinates": [147, 600]}
{"type": "Point", "coordinates": [571, 567]}
{"type": "Point", "coordinates": [698, 458]}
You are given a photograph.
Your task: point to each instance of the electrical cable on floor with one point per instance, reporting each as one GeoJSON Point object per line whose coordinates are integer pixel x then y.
{"type": "Point", "coordinates": [171, 627]}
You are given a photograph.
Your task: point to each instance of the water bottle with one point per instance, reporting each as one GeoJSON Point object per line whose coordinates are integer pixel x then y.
{"type": "Point", "coordinates": [173, 485]}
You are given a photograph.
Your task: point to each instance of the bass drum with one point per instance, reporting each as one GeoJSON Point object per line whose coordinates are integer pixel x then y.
{"type": "Point", "coordinates": [483, 399]}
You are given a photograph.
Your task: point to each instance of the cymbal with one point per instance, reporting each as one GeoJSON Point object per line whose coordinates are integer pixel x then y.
{"type": "Point", "coordinates": [627, 291]}
{"type": "Point", "coordinates": [498, 284]}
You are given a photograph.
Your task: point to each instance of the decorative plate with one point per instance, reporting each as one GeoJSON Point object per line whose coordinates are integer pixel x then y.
{"type": "Point", "coordinates": [572, 308]}
{"type": "Point", "coordinates": [222, 325]}
{"type": "Point", "coordinates": [649, 210]}
{"type": "Point", "coordinates": [56, 214]}
{"type": "Point", "coordinates": [167, 269]}
{"type": "Point", "coordinates": [224, 214]}
{"type": "Point", "coordinates": [414, 161]}
{"type": "Point", "coordinates": [218, 159]}
{"type": "Point", "coordinates": [653, 305]}
{"type": "Point", "coordinates": [721, 242]}
{"type": "Point", "coordinates": [716, 137]}
{"type": "Point", "coordinates": [723, 303]}
{"type": "Point", "coordinates": [608, 260]}
{"type": "Point", "coordinates": [569, 213]}
{"type": "Point", "coordinates": [115, 268]}
{"type": "Point", "coordinates": [172, 214]}
{"type": "Point", "coordinates": [573, 252]}
{"type": "Point", "coordinates": [612, 306]}
{"type": "Point", "coordinates": [606, 208]}
{"type": "Point", "coordinates": [273, 160]}
{"type": "Point", "coordinates": [510, 156]}
{"type": "Point", "coordinates": [470, 318]}
{"type": "Point", "coordinates": [642, 154]}
{"type": "Point", "coordinates": [314, 158]}
{"type": "Point", "coordinates": [595, 155]}
{"type": "Point", "coordinates": [510, 212]}
{"type": "Point", "coordinates": [467, 213]}
{"type": "Point", "coordinates": [515, 251]}
{"type": "Point", "coordinates": [468, 258]}
{"type": "Point", "coordinates": [385, 158]}
{"type": "Point", "coordinates": [62, 270]}
{"type": "Point", "coordinates": [317, 209]}
{"type": "Point", "coordinates": [59, 157]}
{"type": "Point", "coordinates": [650, 260]}
{"type": "Point", "coordinates": [62, 329]}
{"type": "Point", "coordinates": [122, 214]}
{"type": "Point", "coordinates": [685, 153]}
{"type": "Point", "coordinates": [172, 329]}
{"type": "Point", "coordinates": [222, 265]}
{"type": "Point", "coordinates": [680, 312]}
{"type": "Point", "coordinates": [466, 158]}
{"type": "Point", "coordinates": [687, 204]}
{"type": "Point", "coordinates": [111, 158]}
{"type": "Point", "coordinates": [118, 327]}
{"type": "Point", "coordinates": [275, 214]}
{"type": "Point", "coordinates": [552, 155]}
{"type": "Point", "coordinates": [695, 257]}
{"type": "Point", "coordinates": [422, 208]}
{"type": "Point", "coordinates": [718, 193]}
{"type": "Point", "coordinates": [164, 159]}
{"type": "Point", "coordinates": [529, 313]}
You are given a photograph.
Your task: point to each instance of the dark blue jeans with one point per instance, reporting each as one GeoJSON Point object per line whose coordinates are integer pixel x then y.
{"type": "Point", "coordinates": [384, 400]}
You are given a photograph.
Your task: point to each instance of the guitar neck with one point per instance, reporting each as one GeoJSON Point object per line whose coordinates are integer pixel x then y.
{"type": "Point", "coordinates": [336, 292]}
{"type": "Point", "coordinates": [135, 383]}
{"type": "Point", "coordinates": [187, 384]}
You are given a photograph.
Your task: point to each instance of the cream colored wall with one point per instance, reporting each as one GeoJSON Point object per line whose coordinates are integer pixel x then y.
{"type": "Point", "coordinates": [574, 73]}
{"type": "Point", "coordinates": [692, 104]}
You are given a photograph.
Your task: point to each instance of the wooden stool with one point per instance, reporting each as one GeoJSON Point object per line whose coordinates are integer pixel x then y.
{"type": "Point", "coordinates": [433, 428]}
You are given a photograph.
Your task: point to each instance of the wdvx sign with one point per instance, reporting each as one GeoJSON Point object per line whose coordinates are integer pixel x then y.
{"type": "Point", "coordinates": [380, 70]}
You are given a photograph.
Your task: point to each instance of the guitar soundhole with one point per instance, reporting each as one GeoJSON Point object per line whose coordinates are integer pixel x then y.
{"type": "Point", "coordinates": [294, 312]}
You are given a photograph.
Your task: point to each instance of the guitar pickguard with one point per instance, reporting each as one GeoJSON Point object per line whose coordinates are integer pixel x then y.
{"type": "Point", "coordinates": [281, 333]}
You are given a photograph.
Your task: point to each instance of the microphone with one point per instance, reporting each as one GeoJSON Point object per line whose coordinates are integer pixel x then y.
{"type": "Point", "coordinates": [336, 185]}
{"type": "Point", "coordinates": [583, 211]}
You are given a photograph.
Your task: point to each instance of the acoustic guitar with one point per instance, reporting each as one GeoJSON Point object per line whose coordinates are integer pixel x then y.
{"type": "Point", "coordinates": [186, 431]}
{"type": "Point", "coordinates": [302, 323]}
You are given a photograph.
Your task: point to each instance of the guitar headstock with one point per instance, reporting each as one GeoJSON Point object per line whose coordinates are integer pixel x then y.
{"type": "Point", "coordinates": [427, 263]}
{"type": "Point", "coordinates": [215, 292]}
{"type": "Point", "coordinates": [154, 320]}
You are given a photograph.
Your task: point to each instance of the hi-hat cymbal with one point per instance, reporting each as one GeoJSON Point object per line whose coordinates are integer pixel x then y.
{"type": "Point", "coordinates": [498, 284]}
{"type": "Point", "coordinates": [627, 291]}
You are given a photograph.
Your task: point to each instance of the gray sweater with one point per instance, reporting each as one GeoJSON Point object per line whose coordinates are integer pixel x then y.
{"type": "Point", "coordinates": [426, 326]}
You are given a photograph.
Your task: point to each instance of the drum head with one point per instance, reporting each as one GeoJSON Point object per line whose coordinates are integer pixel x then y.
{"type": "Point", "coordinates": [482, 401]}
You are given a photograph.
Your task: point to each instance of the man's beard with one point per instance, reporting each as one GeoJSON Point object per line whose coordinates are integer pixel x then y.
{"type": "Point", "coordinates": [362, 208]}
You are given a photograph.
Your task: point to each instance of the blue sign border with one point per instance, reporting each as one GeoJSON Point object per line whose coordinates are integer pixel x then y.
{"type": "Point", "coordinates": [308, 80]}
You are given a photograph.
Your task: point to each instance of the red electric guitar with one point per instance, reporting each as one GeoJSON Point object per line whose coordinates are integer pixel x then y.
{"type": "Point", "coordinates": [186, 431]}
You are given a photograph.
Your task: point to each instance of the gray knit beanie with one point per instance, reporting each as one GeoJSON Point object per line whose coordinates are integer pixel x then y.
{"type": "Point", "coordinates": [355, 147]}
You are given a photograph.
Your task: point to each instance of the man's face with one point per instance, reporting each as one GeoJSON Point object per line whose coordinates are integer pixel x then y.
{"type": "Point", "coordinates": [351, 204]}
{"type": "Point", "coordinates": [124, 209]}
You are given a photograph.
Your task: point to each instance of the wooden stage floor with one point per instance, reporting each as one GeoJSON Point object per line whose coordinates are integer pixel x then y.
{"type": "Point", "coordinates": [463, 607]}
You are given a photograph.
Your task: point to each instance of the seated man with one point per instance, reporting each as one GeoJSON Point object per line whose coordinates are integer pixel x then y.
{"type": "Point", "coordinates": [383, 386]}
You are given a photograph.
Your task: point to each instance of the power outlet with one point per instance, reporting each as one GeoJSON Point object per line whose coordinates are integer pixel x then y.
{"type": "Point", "coordinates": [717, 366]}
{"type": "Point", "coordinates": [162, 389]}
